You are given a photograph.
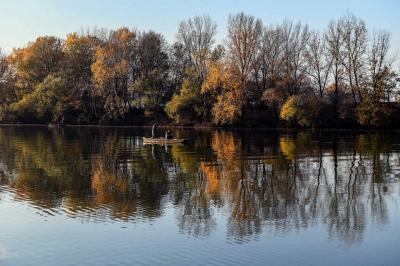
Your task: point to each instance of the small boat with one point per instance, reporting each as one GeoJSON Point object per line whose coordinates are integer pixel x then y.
{"type": "Point", "coordinates": [59, 125]}
{"type": "Point", "coordinates": [163, 141]}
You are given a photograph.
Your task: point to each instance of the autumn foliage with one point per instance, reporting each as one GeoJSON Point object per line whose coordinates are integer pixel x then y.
{"type": "Point", "coordinates": [261, 75]}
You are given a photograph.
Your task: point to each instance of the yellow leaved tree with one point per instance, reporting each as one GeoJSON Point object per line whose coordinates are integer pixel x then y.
{"type": "Point", "coordinates": [225, 87]}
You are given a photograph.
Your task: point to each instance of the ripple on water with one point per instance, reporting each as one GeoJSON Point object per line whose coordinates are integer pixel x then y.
{"type": "Point", "coordinates": [218, 201]}
{"type": "Point", "coordinates": [3, 251]}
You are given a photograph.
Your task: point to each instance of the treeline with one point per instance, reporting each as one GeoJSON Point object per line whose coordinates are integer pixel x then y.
{"type": "Point", "coordinates": [275, 75]}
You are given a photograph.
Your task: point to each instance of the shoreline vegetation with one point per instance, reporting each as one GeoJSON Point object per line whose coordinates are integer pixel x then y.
{"type": "Point", "coordinates": [262, 76]}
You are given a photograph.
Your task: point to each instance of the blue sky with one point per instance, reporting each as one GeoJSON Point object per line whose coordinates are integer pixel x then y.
{"type": "Point", "coordinates": [23, 20]}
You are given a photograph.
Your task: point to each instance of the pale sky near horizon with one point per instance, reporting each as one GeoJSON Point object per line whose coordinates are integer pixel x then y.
{"type": "Point", "coordinates": [22, 21]}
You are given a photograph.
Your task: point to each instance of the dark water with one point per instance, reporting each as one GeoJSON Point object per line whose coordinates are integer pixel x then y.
{"type": "Point", "coordinates": [87, 196]}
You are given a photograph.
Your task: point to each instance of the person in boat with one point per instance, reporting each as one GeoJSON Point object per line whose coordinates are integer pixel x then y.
{"type": "Point", "coordinates": [168, 135]}
{"type": "Point", "coordinates": [153, 130]}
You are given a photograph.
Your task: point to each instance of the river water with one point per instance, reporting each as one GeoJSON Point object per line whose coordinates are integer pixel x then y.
{"type": "Point", "coordinates": [98, 196]}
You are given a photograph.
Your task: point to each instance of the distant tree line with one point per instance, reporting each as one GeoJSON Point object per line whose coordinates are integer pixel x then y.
{"type": "Point", "coordinates": [275, 75]}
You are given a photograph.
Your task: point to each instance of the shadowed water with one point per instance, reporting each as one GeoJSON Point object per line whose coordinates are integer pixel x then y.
{"type": "Point", "coordinates": [76, 196]}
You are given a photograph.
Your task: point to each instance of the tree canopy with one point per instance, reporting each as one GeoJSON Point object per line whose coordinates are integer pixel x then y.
{"type": "Point", "coordinates": [285, 74]}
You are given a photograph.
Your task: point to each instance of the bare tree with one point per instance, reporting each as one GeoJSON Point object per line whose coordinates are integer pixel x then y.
{"type": "Point", "coordinates": [196, 35]}
{"type": "Point", "coordinates": [319, 63]}
{"type": "Point", "coordinates": [295, 38]}
{"type": "Point", "coordinates": [354, 35]}
{"type": "Point", "coordinates": [334, 44]}
{"type": "Point", "coordinates": [243, 41]}
{"type": "Point", "coordinates": [380, 66]}
{"type": "Point", "coordinates": [268, 65]}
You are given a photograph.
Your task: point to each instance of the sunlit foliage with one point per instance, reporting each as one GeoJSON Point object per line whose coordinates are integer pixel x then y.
{"type": "Point", "coordinates": [261, 75]}
{"type": "Point", "coordinates": [188, 102]}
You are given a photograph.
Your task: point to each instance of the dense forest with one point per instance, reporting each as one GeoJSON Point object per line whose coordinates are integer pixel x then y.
{"type": "Point", "coordinates": [275, 75]}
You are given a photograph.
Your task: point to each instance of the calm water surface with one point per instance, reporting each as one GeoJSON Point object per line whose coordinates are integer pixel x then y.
{"type": "Point", "coordinates": [88, 196]}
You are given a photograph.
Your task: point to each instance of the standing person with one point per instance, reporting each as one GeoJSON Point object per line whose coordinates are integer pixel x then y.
{"type": "Point", "coordinates": [153, 130]}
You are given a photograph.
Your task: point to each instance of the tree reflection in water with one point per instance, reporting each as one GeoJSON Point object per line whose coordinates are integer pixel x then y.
{"type": "Point", "coordinates": [262, 179]}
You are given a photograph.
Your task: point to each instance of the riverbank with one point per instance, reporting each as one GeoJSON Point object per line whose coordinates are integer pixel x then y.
{"type": "Point", "coordinates": [207, 127]}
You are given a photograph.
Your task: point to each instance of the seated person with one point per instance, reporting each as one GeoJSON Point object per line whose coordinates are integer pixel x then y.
{"type": "Point", "coordinates": [168, 134]}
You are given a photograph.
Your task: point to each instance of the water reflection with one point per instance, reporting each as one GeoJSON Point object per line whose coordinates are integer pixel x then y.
{"type": "Point", "coordinates": [256, 180]}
